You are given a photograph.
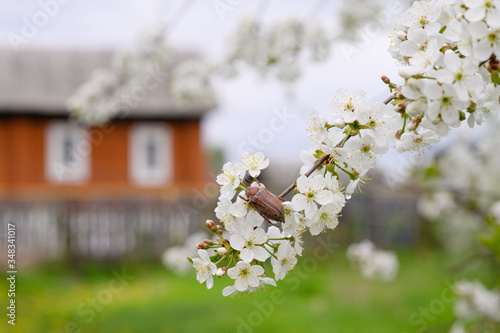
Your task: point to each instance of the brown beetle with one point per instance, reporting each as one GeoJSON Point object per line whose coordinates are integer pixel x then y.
{"type": "Point", "coordinates": [267, 204]}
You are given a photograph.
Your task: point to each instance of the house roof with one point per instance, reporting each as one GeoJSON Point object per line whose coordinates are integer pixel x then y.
{"type": "Point", "coordinates": [40, 82]}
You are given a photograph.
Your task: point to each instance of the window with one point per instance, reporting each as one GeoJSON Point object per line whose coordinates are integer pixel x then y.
{"type": "Point", "coordinates": [150, 154]}
{"type": "Point", "coordinates": [67, 153]}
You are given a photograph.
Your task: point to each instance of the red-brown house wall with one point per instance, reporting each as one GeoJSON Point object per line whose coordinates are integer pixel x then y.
{"type": "Point", "coordinates": [22, 164]}
{"type": "Point", "coordinates": [22, 151]}
{"type": "Point", "coordinates": [188, 154]}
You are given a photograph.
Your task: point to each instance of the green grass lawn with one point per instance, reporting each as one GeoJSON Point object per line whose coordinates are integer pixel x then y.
{"type": "Point", "coordinates": [325, 297]}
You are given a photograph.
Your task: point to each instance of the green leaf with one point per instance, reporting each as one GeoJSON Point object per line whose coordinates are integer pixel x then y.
{"type": "Point", "coordinates": [495, 77]}
{"type": "Point", "coordinates": [318, 154]}
{"type": "Point", "coordinates": [461, 115]}
{"type": "Point", "coordinates": [330, 168]}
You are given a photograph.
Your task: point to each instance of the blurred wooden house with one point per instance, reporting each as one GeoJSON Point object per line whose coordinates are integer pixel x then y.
{"type": "Point", "coordinates": [154, 150]}
{"type": "Point", "coordinates": [104, 191]}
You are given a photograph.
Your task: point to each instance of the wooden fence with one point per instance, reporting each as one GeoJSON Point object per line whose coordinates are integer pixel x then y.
{"type": "Point", "coordinates": [143, 229]}
{"type": "Point", "coordinates": [99, 229]}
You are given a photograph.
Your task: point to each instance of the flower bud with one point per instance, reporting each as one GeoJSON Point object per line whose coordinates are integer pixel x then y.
{"type": "Point", "coordinates": [202, 246]}
{"type": "Point", "coordinates": [219, 228]}
{"type": "Point", "coordinates": [209, 242]}
{"type": "Point", "coordinates": [221, 272]}
{"type": "Point", "coordinates": [398, 134]}
{"type": "Point", "coordinates": [414, 123]}
{"type": "Point", "coordinates": [211, 225]}
{"type": "Point", "coordinates": [397, 94]}
{"type": "Point", "coordinates": [340, 123]}
{"type": "Point", "coordinates": [401, 107]}
{"type": "Point", "coordinates": [386, 79]}
{"type": "Point", "coordinates": [446, 47]}
{"type": "Point", "coordinates": [401, 35]}
{"type": "Point", "coordinates": [222, 251]}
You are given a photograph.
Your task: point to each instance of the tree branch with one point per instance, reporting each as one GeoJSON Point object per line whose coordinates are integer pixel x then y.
{"type": "Point", "coordinates": [292, 186]}
{"type": "Point", "coordinates": [322, 160]}
{"type": "Point", "coordinates": [388, 100]}
{"type": "Point", "coordinates": [316, 165]}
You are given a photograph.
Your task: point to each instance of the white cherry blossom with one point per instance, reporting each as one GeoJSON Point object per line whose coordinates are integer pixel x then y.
{"type": "Point", "coordinates": [422, 14]}
{"type": "Point", "coordinates": [362, 152]}
{"type": "Point", "coordinates": [254, 163]}
{"type": "Point", "coordinates": [481, 9]}
{"type": "Point", "coordinates": [380, 120]}
{"type": "Point", "coordinates": [333, 184]}
{"type": "Point", "coordinates": [245, 275]}
{"type": "Point", "coordinates": [316, 130]}
{"type": "Point", "coordinates": [308, 159]}
{"type": "Point", "coordinates": [416, 142]}
{"type": "Point", "coordinates": [422, 61]}
{"type": "Point", "coordinates": [222, 211]}
{"type": "Point", "coordinates": [231, 178]}
{"type": "Point", "coordinates": [325, 218]}
{"type": "Point", "coordinates": [249, 242]}
{"type": "Point", "coordinates": [311, 190]}
{"type": "Point", "coordinates": [293, 227]}
{"type": "Point", "coordinates": [486, 41]}
{"type": "Point", "coordinates": [461, 73]}
{"type": "Point", "coordinates": [205, 269]}
{"type": "Point", "coordinates": [263, 284]}
{"type": "Point", "coordinates": [417, 100]}
{"type": "Point", "coordinates": [285, 261]}
{"type": "Point", "coordinates": [444, 102]}
{"type": "Point", "coordinates": [354, 184]}
{"type": "Point", "coordinates": [346, 104]}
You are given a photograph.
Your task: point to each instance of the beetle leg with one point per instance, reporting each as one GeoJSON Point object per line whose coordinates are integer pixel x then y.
{"type": "Point", "coordinates": [280, 198]}
{"type": "Point", "coordinates": [243, 198]}
{"type": "Point", "coordinates": [271, 223]}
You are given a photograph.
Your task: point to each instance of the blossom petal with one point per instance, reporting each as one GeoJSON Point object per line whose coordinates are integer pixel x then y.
{"type": "Point", "coordinates": [475, 14]}
{"type": "Point", "coordinates": [253, 281]}
{"type": "Point", "coordinates": [204, 255]}
{"type": "Point", "coordinates": [247, 254]}
{"type": "Point", "coordinates": [237, 242]}
{"type": "Point", "coordinates": [233, 272]}
{"type": "Point", "coordinates": [256, 269]}
{"type": "Point", "coordinates": [260, 253]}
{"type": "Point", "coordinates": [324, 197]}
{"type": "Point", "coordinates": [240, 284]}
{"type": "Point", "coordinates": [229, 290]}
{"type": "Point", "coordinates": [210, 282]}
{"type": "Point", "coordinates": [260, 236]}
{"type": "Point", "coordinates": [310, 209]}
{"type": "Point", "coordinates": [299, 202]}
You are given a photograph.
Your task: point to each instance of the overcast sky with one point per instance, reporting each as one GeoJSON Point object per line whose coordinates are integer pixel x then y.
{"type": "Point", "coordinates": [248, 103]}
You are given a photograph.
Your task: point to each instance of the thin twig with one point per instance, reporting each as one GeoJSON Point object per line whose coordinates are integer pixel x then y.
{"type": "Point", "coordinates": [322, 160]}
{"type": "Point", "coordinates": [292, 186]}
{"type": "Point", "coordinates": [316, 165]}
{"type": "Point", "coordinates": [388, 100]}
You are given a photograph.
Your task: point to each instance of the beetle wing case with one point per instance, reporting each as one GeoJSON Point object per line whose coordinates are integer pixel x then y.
{"type": "Point", "coordinates": [268, 205]}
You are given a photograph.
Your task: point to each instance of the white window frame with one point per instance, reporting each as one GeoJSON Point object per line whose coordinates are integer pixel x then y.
{"type": "Point", "coordinates": [141, 172]}
{"type": "Point", "coordinates": [57, 167]}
